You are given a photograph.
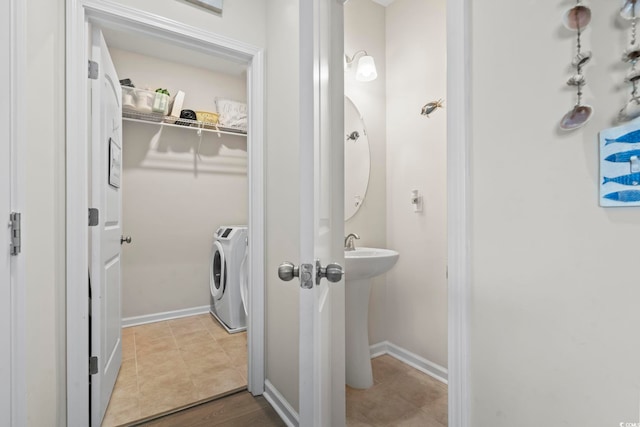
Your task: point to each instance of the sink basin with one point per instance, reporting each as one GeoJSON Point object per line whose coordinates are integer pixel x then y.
{"type": "Point", "coordinates": [361, 265]}
{"type": "Point", "coordinates": [365, 263]}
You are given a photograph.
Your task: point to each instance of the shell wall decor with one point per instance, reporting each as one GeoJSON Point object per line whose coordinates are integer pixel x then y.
{"type": "Point", "coordinates": [620, 165]}
{"type": "Point", "coordinates": [631, 55]}
{"type": "Point", "coordinates": [577, 19]}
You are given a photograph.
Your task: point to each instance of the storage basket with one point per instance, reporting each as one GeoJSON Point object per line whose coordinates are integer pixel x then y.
{"type": "Point", "coordinates": [144, 101]}
{"type": "Point", "coordinates": [209, 120]}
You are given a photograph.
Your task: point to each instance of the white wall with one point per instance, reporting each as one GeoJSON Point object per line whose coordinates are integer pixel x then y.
{"type": "Point", "coordinates": [554, 309]}
{"type": "Point", "coordinates": [173, 201]}
{"type": "Point", "coordinates": [364, 24]}
{"type": "Point", "coordinates": [416, 159]}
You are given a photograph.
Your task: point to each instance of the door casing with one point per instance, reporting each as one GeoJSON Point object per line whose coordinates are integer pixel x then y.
{"type": "Point", "coordinates": [15, 99]}
{"type": "Point", "coordinates": [458, 208]}
{"type": "Point", "coordinates": [108, 13]}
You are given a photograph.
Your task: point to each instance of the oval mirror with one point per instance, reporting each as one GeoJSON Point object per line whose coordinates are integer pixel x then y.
{"type": "Point", "coordinates": [357, 160]}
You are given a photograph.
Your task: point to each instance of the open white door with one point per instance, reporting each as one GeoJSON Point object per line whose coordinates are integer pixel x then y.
{"type": "Point", "coordinates": [322, 329]}
{"type": "Point", "coordinates": [106, 196]}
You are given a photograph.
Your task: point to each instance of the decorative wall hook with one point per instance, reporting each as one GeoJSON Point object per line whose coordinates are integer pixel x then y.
{"type": "Point", "coordinates": [353, 136]}
{"type": "Point", "coordinates": [431, 107]}
{"type": "Point", "coordinates": [631, 55]}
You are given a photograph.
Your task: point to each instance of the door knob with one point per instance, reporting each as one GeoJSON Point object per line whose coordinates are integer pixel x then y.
{"type": "Point", "coordinates": [333, 272]}
{"type": "Point", "coordinates": [124, 239]}
{"type": "Point", "coordinates": [287, 271]}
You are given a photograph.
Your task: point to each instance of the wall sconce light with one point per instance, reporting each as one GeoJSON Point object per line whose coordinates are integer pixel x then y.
{"type": "Point", "coordinates": [366, 70]}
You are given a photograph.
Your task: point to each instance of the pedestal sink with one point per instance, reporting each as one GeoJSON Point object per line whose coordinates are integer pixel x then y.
{"type": "Point", "coordinates": [361, 265]}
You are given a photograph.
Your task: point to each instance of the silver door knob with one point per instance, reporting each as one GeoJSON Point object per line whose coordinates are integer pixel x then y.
{"type": "Point", "coordinates": [287, 271]}
{"type": "Point", "coordinates": [124, 239]}
{"type": "Point", "coordinates": [333, 272]}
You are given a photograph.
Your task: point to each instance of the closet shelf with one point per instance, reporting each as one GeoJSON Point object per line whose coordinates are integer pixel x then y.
{"type": "Point", "coordinates": [170, 121]}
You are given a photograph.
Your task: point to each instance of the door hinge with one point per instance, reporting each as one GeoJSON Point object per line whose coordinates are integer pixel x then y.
{"type": "Point", "coordinates": [93, 365]}
{"type": "Point", "coordinates": [94, 217]}
{"type": "Point", "coordinates": [94, 69]}
{"type": "Point", "coordinates": [16, 233]}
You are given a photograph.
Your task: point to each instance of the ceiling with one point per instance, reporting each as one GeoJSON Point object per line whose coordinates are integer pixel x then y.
{"type": "Point", "coordinates": [154, 47]}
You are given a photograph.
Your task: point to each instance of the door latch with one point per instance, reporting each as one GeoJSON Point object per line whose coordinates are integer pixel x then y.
{"type": "Point", "coordinates": [287, 271]}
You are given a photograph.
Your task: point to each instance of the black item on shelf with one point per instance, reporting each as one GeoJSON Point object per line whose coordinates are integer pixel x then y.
{"type": "Point", "coordinates": [126, 82]}
{"type": "Point", "coordinates": [187, 114]}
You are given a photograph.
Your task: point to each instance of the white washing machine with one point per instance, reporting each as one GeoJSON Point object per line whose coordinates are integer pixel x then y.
{"type": "Point", "coordinates": [227, 292]}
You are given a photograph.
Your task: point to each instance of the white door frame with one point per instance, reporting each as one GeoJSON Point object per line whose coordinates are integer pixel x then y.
{"type": "Point", "coordinates": [458, 207]}
{"type": "Point", "coordinates": [16, 99]}
{"type": "Point", "coordinates": [106, 12]}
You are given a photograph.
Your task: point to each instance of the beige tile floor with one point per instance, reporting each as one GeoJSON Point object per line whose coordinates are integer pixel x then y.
{"type": "Point", "coordinates": [170, 364]}
{"type": "Point", "coordinates": [400, 396]}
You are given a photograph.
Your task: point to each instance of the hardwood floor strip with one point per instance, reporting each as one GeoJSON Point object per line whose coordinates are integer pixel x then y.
{"type": "Point", "coordinates": [239, 409]}
{"type": "Point", "coordinates": [152, 420]}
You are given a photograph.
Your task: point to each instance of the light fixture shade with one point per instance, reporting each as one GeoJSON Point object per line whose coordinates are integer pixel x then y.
{"type": "Point", "coordinates": [366, 71]}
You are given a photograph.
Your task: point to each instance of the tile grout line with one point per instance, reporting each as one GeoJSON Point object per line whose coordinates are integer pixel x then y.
{"type": "Point", "coordinates": [195, 387]}
{"type": "Point", "coordinates": [231, 359]}
{"type": "Point", "coordinates": [135, 358]}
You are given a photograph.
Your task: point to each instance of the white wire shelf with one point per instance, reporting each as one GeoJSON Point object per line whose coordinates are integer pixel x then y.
{"type": "Point", "coordinates": [170, 121]}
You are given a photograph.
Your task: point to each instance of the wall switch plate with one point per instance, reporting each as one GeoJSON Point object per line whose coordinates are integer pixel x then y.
{"type": "Point", "coordinates": [416, 201]}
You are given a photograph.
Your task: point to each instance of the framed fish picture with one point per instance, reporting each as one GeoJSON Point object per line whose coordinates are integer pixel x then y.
{"type": "Point", "coordinates": [620, 165]}
{"type": "Point", "coordinates": [212, 5]}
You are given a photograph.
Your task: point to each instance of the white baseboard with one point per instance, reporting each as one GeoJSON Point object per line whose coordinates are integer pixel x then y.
{"type": "Point", "coordinates": [167, 315]}
{"type": "Point", "coordinates": [280, 405]}
{"type": "Point", "coordinates": [378, 349]}
{"type": "Point", "coordinates": [420, 363]}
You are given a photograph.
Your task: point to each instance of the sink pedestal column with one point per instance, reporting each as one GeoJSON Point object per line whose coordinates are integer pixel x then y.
{"type": "Point", "coordinates": [358, 357]}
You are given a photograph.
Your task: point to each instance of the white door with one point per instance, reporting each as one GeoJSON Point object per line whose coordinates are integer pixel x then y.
{"type": "Point", "coordinates": [322, 329]}
{"type": "Point", "coordinates": [106, 196]}
{"type": "Point", "coordinates": [5, 210]}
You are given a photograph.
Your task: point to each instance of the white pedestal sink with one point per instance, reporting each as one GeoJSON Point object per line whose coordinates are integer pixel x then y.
{"type": "Point", "coordinates": [361, 265]}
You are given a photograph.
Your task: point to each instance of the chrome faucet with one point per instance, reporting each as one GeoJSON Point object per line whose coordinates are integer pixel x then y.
{"type": "Point", "coordinates": [349, 244]}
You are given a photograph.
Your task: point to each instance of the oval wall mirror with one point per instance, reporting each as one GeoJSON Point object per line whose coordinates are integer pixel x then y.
{"type": "Point", "coordinates": [357, 162]}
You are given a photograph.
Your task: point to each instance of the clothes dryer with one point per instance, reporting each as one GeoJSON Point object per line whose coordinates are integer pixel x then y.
{"type": "Point", "coordinates": [229, 251]}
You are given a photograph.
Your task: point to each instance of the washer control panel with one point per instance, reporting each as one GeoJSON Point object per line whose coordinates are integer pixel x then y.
{"type": "Point", "coordinates": [226, 233]}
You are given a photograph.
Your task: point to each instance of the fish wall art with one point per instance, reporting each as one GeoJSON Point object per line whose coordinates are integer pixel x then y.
{"type": "Point", "coordinates": [620, 165]}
